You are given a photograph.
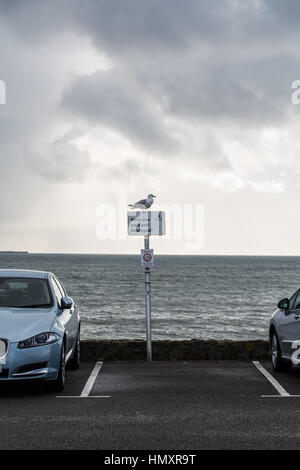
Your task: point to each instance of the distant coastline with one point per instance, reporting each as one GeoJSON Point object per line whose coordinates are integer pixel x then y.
{"type": "Point", "coordinates": [15, 252]}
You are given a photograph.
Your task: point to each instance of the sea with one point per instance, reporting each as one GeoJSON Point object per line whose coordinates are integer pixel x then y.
{"type": "Point", "coordinates": [192, 297]}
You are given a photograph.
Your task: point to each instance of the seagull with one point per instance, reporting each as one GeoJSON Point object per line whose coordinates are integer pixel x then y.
{"type": "Point", "coordinates": [143, 203]}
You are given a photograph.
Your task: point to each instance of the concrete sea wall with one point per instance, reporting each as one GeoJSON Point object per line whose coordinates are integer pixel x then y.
{"type": "Point", "coordinates": [167, 350]}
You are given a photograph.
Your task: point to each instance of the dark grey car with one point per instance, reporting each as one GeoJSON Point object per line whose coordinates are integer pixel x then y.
{"type": "Point", "coordinates": [285, 333]}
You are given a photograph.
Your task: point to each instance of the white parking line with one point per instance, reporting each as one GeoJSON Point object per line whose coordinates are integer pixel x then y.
{"type": "Point", "coordinates": [91, 380]}
{"type": "Point", "coordinates": [89, 385]}
{"type": "Point", "coordinates": [282, 392]}
{"type": "Point", "coordinates": [79, 396]}
{"type": "Point", "coordinates": [280, 396]}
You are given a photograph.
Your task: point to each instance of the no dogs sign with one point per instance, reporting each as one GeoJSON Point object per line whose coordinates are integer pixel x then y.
{"type": "Point", "coordinates": [147, 258]}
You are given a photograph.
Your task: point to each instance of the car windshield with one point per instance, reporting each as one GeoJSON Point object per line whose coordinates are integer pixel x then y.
{"type": "Point", "coordinates": [24, 292]}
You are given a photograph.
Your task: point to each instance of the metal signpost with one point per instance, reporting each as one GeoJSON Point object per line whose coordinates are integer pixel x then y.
{"type": "Point", "coordinates": [148, 298]}
{"type": "Point", "coordinates": [147, 223]}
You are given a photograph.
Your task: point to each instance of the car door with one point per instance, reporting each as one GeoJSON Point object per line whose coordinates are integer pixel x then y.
{"type": "Point", "coordinates": [290, 325]}
{"type": "Point", "coordinates": [65, 315]}
{"type": "Point", "coordinates": [73, 323]}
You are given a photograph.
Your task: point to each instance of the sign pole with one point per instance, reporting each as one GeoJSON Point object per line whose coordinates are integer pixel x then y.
{"type": "Point", "coordinates": [145, 223]}
{"type": "Point", "coordinates": [148, 304]}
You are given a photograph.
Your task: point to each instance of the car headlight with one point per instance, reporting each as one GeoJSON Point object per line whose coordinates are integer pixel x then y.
{"type": "Point", "coordinates": [38, 340]}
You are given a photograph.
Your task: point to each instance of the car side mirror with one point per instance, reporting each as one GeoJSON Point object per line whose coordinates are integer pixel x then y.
{"type": "Point", "coordinates": [284, 304]}
{"type": "Point", "coordinates": [66, 303]}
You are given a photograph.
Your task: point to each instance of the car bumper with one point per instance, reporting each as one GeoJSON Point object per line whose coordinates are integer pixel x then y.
{"type": "Point", "coordinates": [41, 362]}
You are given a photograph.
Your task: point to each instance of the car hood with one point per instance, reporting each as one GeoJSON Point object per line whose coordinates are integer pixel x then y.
{"type": "Point", "coordinates": [17, 324]}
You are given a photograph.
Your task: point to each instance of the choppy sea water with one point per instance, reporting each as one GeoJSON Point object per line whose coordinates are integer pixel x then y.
{"type": "Point", "coordinates": [220, 297]}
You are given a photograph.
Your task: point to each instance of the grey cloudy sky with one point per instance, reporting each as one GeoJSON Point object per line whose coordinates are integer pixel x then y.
{"type": "Point", "coordinates": [109, 100]}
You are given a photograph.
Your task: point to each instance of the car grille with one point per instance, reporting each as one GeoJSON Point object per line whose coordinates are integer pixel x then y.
{"type": "Point", "coordinates": [3, 348]}
{"type": "Point", "coordinates": [30, 367]}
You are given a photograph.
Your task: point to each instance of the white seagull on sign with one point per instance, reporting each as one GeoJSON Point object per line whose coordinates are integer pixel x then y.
{"type": "Point", "coordinates": [143, 203]}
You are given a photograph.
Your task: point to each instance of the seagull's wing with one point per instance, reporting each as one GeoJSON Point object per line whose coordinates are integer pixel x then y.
{"type": "Point", "coordinates": [142, 202]}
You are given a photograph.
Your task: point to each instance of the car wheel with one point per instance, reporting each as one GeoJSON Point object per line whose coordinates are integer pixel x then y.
{"type": "Point", "coordinates": [58, 385]}
{"type": "Point", "coordinates": [74, 363]}
{"type": "Point", "coordinates": [278, 364]}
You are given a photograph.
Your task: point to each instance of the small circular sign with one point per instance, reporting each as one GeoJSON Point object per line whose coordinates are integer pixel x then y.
{"type": "Point", "coordinates": [147, 257]}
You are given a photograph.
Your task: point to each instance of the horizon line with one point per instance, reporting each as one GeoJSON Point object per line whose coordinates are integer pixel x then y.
{"type": "Point", "coordinates": [16, 252]}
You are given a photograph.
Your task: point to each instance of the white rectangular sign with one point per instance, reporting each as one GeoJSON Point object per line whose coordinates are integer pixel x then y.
{"type": "Point", "coordinates": [147, 258]}
{"type": "Point", "coordinates": [146, 223]}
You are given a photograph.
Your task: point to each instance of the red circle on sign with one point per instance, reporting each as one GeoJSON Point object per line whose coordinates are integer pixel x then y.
{"type": "Point", "coordinates": [147, 257]}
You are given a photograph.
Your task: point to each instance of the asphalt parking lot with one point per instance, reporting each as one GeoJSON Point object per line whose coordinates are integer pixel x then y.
{"type": "Point", "coordinates": [159, 405]}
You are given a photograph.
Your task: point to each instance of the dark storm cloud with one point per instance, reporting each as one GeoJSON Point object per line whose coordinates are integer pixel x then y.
{"type": "Point", "coordinates": [154, 24]}
{"type": "Point", "coordinates": [173, 63]}
{"type": "Point", "coordinates": [194, 59]}
{"type": "Point", "coordinates": [118, 23]}
{"type": "Point", "coordinates": [109, 99]}
{"type": "Point", "coordinates": [255, 91]}
{"type": "Point", "coordinates": [134, 23]}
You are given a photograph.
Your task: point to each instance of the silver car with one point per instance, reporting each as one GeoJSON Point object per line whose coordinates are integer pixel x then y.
{"type": "Point", "coordinates": [285, 333]}
{"type": "Point", "coordinates": [39, 328]}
